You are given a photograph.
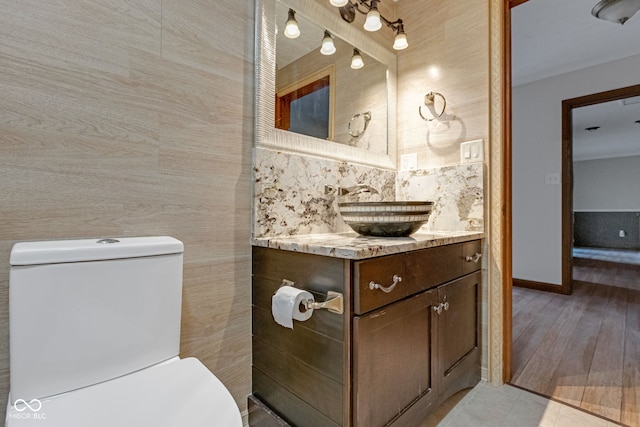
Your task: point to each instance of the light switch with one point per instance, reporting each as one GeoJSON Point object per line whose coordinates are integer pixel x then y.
{"type": "Point", "coordinates": [552, 178]}
{"type": "Point", "coordinates": [471, 151]}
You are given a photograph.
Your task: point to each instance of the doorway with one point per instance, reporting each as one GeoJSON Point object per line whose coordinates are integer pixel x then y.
{"type": "Point", "coordinates": [581, 349]}
{"type": "Point", "coordinates": [568, 219]}
{"type": "Point", "coordinates": [565, 225]}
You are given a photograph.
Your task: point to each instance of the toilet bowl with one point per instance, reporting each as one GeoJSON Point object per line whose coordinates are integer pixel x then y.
{"type": "Point", "coordinates": [178, 393]}
{"type": "Point", "coordinates": [94, 339]}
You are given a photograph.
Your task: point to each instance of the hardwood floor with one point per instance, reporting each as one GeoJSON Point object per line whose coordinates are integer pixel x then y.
{"type": "Point", "coordinates": [583, 349]}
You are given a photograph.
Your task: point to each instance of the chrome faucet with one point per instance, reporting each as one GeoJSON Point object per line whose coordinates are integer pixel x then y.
{"type": "Point", "coordinates": [355, 189]}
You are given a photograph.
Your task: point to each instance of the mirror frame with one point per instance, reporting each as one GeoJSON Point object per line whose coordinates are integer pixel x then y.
{"type": "Point", "coordinates": [266, 135]}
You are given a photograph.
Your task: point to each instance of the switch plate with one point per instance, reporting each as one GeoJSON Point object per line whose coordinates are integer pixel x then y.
{"type": "Point", "coordinates": [409, 162]}
{"type": "Point", "coordinates": [471, 151]}
{"type": "Point", "coordinates": [552, 178]}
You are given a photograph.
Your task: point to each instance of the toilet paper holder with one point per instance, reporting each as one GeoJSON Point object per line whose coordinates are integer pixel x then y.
{"type": "Point", "coordinates": [334, 301]}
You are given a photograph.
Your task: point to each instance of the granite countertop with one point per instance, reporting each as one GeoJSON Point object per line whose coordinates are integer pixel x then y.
{"type": "Point", "coordinates": [354, 246]}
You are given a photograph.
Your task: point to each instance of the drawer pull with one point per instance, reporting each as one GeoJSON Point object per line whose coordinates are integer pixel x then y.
{"type": "Point", "coordinates": [474, 258]}
{"type": "Point", "coordinates": [396, 279]}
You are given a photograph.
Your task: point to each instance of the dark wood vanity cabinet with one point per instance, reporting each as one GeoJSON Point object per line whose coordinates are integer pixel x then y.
{"type": "Point", "coordinates": [408, 339]}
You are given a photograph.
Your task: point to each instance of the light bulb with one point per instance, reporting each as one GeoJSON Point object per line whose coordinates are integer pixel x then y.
{"type": "Point", "coordinates": [328, 48]}
{"type": "Point", "coordinates": [291, 29]}
{"type": "Point", "coordinates": [373, 22]}
{"type": "Point", "coordinates": [338, 3]}
{"type": "Point", "coordinates": [400, 42]}
{"type": "Point", "coordinates": [356, 60]}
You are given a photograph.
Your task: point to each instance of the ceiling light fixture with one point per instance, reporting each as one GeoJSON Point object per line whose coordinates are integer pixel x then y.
{"type": "Point", "coordinates": [618, 11]}
{"type": "Point", "coordinates": [328, 47]}
{"type": "Point", "coordinates": [356, 60]}
{"type": "Point", "coordinates": [374, 19]}
{"type": "Point", "coordinates": [291, 29]}
{"type": "Point", "coordinates": [338, 3]}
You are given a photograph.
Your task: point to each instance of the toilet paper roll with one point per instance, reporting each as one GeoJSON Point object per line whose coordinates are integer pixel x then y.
{"type": "Point", "coordinates": [285, 306]}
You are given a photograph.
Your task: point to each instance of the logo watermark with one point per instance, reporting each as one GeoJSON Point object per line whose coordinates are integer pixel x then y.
{"type": "Point", "coordinates": [27, 410]}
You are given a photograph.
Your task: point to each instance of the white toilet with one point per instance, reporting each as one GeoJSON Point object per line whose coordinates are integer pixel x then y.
{"type": "Point", "coordinates": [95, 335]}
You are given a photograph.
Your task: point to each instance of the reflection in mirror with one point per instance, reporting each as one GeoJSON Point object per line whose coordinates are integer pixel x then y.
{"type": "Point", "coordinates": [328, 100]}
{"type": "Point", "coordinates": [331, 122]}
{"type": "Point", "coordinates": [306, 105]}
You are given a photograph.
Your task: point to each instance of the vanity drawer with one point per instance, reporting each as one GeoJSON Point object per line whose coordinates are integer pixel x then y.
{"type": "Point", "coordinates": [431, 267]}
{"type": "Point", "coordinates": [375, 283]}
{"type": "Point", "coordinates": [471, 256]}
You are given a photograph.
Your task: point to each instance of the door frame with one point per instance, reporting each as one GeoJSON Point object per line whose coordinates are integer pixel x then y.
{"type": "Point", "coordinates": [567, 169]}
{"type": "Point", "coordinates": [507, 207]}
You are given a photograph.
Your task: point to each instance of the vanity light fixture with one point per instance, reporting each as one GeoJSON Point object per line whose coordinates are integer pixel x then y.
{"type": "Point", "coordinates": [291, 29]}
{"type": "Point", "coordinates": [356, 60]}
{"type": "Point", "coordinates": [328, 48]}
{"type": "Point", "coordinates": [617, 11]}
{"type": "Point", "coordinates": [373, 20]}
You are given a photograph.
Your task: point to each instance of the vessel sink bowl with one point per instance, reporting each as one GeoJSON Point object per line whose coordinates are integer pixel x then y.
{"type": "Point", "coordinates": [385, 219]}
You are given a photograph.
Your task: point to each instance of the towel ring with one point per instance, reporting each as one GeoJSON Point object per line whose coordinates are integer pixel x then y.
{"type": "Point", "coordinates": [367, 119]}
{"type": "Point", "coordinates": [429, 99]}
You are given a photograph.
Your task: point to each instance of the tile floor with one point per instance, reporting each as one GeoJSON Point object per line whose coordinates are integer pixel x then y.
{"type": "Point", "coordinates": [487, 405]}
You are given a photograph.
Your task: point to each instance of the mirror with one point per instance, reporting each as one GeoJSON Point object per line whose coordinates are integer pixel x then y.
{"type": "Point", "coordinates": [335, 96]}
{"type": "Point", "coordinates": [359, 106]}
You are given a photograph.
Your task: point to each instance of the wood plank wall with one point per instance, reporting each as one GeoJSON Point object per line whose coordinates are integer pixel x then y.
{"type": "Point", "coordinates": [122, 118]}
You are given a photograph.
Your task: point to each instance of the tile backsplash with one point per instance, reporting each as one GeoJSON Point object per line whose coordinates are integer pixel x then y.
{"type": "Point", "coordinates": [457, 193]}
{"type": "Point", "coordinates": [290, 199]}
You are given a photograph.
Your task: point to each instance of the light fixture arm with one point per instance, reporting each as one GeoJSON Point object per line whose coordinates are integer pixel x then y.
{"type": "Point", "coordinates": [347, 13]}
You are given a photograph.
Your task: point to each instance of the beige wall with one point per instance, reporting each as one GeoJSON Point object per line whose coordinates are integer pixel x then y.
{"type": "Point", "coordinates": [124, 118]}
{"type": "Point", "coordinates": [448, 53]}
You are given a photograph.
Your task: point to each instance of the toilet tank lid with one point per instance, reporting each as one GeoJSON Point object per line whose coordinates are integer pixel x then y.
{"type": "Point", "coordinates": [64, 251]}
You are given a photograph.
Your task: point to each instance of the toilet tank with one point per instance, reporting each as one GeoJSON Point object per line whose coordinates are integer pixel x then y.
{"type": "Point", "coordinates": [86, 311]}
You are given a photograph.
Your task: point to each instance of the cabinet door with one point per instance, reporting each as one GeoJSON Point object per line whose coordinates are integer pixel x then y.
{"type": "Point", "coordinates": [458, 334]}
{"type": "Point", "coordinates": [392, 359]}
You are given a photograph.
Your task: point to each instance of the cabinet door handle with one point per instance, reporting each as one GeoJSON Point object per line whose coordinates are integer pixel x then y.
{"type": "Point", "coordinates": [442, 306]}
{"type": "Point", "coordinates": [396, 279]}
{"type": "Point", "coordinates": [474, 258]}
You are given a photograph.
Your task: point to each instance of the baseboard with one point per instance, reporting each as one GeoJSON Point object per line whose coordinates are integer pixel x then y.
{"type": "Point", "coordinates": [540, 286]}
